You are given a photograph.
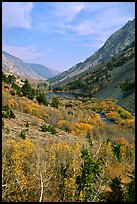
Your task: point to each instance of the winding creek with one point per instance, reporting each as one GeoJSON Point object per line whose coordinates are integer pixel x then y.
{"type": "Point", "coordinates": [105, 119]}
{"type": "Point", "coordinates": [71, 96]}
{"type": "Point", "coordinates": [62, 94]}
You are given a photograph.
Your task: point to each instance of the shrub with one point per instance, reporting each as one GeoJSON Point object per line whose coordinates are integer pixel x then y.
{"type": "Point", "coordinates": [44, 128]}
{"type": "Point", "coordinates": [42, 99]}
{"type": "Point", "coordinates": [12, 103]}
{"type": "Point", "coordinates": [12, 115]}
{"type": "Point", "coordinates": [7, 112]}
{"type": "Point", "coordinates": [81, 129]}
{"type": "Point", "coordinates": [8, 79]}
{"type": "Point", "coordinates": [34, 122]}
{"type": "Point", "coordinates": [12, 92]}
{"type": "Point", "coordinates": [55, 102]}
{"type": "Point", "coordinates": [23, 134]}
{"type": "Point", "coordinates": [127, 85]}
{"type": "Point", "coordinates": [116, 195]}
{"type": "Point", "coordinates": [124, 114]}
{"type": "Point", "coordinates": [48, 128]}
{"type": "Point", "coordinates": [2, 124]}
{"type": "Point", "coordinates": [16, 87]}
{"type": "Point", "coordinates": [11, 78]}
{"type": "Point", "coordinates": [52, 130]}
{"type": "Point", "coordinates": [130, 195]}
{"type": "Point", "coordinates": [67, 105]}
{"type": "Point", "coordinates": [117, 150]}
{"type": "Point", "coordinates": [64, 125]}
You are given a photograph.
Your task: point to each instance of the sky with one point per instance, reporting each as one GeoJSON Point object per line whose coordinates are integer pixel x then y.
{"type": "Point", "coordinates": [60, 34]}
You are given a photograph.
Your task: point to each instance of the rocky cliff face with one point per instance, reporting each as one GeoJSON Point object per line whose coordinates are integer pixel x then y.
{"type": "Point", "coordinates": [113, 46]}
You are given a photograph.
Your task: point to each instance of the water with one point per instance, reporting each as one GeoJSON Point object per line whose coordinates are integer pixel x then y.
{"type": "Point", "coordinates": [71, 96]}
{"type": "Point", "coordinates": [104, 118]}
{"type": "Point", "coordinates": [62, 95]}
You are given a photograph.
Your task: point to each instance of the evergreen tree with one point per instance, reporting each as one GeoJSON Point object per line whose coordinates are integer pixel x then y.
{"type": "Point", "coordinates": [55, 102]}
{"type": "Point", "coordinates": [90, 171]}
{"type": "Point", "coordinates": [130, 196]}
{"type": "Point", "coordinates": [42, 99]}
{"type": "Point", "coordinates": [27, 90]}
{"type": "Point", "coordinates": [11, 79]}
{"type": "Point", "coordinates": [117, 194]}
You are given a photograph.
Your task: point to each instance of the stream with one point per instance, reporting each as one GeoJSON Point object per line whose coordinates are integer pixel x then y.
{"type": "Point", "coordinates": [62, 94]}
{"type": "Point", "coordinates": [105, 119]}
{"type": "Point", "coordinates": [70, 96]}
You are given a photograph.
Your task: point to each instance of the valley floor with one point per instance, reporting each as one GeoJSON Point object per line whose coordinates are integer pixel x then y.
{"type": "Point", "coordinates": [67, 154]}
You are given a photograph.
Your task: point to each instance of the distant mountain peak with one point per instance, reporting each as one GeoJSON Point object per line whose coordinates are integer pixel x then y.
{"type": "Point", "coordinates": [31, 70]}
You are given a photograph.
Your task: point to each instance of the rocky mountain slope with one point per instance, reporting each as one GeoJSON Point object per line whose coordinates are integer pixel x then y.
{"type": "Point", "coordinates": [113, 79]}
{"type": "Point", "coordinates": [42, 70]}
{"type": "Point", "coordinates": [113, 46]}
{"type": "Point", "coordinates": [17, 66]}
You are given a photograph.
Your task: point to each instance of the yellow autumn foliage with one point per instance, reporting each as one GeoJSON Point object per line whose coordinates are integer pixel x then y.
{"type": "Point", "coordinates": [80, 129]}
{"type": "Point", "coordinates": [95, 119]}
{"type": "Point", "coordinates": [21, 157]}
{"type": "Point", "coordinates": [12, 103]}
{"type": "Point", "coordinates": [63, 124]}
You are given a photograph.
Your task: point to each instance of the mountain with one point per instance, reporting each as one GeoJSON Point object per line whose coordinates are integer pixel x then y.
{"type": "Point", "coordinates": [114, 78]}
{"type": "Point", "coordinates": [17, 66]}
{"type": "Point", "coordinates": [113, 46]}
{"type": "Point", "coordinates": [42, 70]}
{"type": "Point", "coordinates": [121, 84]}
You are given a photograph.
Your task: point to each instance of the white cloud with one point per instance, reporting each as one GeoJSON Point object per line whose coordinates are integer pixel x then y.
{"type": "Point", "coordinates": [83, 28]}
{"type": "Point", "coordinates": [17, 14]}
{"type": "Point", "coordinates": [100, 26]}
{"type": "Point", "coordinates": [25, 53]}
{"type": "Point", "coordinates": [99, 18]}
{"type": "Point", "coordinates": [68, 10]}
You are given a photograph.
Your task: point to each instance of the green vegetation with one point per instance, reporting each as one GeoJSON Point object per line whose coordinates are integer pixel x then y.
{"type": "Point", "coordinates": [130, 195]}
{"type": "Point", "coordinates": [23, 134]}
{"type": "Point", "coordinates": [8, 79]}
{"type": "Point", "coordinates": [42, 99]}
{"type": "Point", "coordinates": [77, 164]}
{"type": "Point", "coordinates": [48, 128]}
{"type": "Point", "coordinates": [117, 194]}
{"type": "Point", "coordinates": [12, 92]}
{"type": "Point", "coordinates": [7, 112]}
{"type": "Point", "coordinates": [90, 82]}
{"type": "Point", "coordinates": [55, 102]}
{"type": "Point", "coordinates": [91, 170]}
{"type": "Point", "coordinates": [2, 123]}
{"type": "Point", "coordinates": [27, 90]}
{"type": "Point", "coordinates": [128, 85]}
{"type": "Point", "coordinates": [117, 150]}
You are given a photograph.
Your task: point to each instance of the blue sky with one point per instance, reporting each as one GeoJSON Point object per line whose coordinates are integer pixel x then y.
{"type": "Point", "coordinates": [60, 34]}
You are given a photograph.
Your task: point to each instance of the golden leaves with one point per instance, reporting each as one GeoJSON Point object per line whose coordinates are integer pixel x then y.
{"type": "Point", "coordinates": [12, 103]}
{"type": "Point", "coordinates": [80, 129]}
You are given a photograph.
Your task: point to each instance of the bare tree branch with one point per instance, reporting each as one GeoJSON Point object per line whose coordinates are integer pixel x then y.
{"type": "Point", "coordinates": [97, 151]}
{"type": "Point", "coordinates": [41, 194]}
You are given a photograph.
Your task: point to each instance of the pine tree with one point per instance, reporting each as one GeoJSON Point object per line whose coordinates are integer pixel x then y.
{"type": "Point", "coordinates": [55, 102]}
{"type": "Point", "coordinates": [27, 90]}
{"type": "Point", "coordinates": [117, 194]}
{"type": "Point", "coordinates": [42, 99]}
